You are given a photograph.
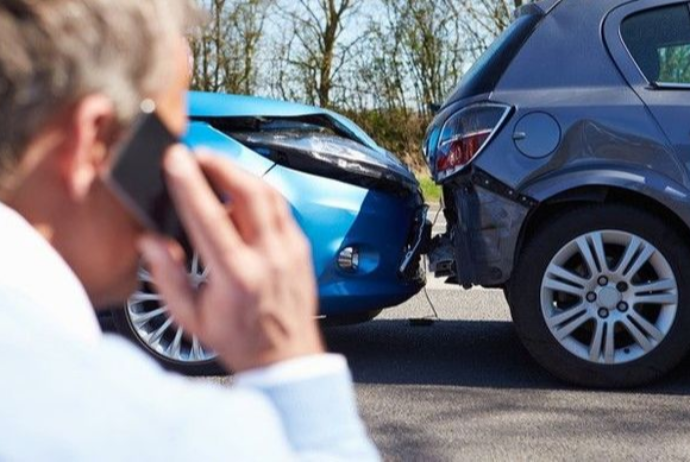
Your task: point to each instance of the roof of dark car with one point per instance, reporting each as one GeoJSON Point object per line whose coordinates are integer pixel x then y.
{"type": "Point", "coordinates": [548, 5]}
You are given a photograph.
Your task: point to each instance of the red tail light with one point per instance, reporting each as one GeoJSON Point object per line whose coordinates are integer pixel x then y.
{"type": "Point", "coordinates": [462, 150]}
{"type": "Point", "coordinates": [465, 135]}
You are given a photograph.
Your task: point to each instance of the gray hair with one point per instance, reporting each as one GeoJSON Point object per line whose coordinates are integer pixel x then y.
{"type": "Point", "coordinates": [55, 52]}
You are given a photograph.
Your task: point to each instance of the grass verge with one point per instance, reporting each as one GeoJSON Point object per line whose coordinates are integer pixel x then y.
{"type": "Point", "coordinates": [432, 191]}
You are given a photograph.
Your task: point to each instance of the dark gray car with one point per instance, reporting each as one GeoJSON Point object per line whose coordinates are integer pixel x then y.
{"type": "Point", "coordinates": [564, 156]}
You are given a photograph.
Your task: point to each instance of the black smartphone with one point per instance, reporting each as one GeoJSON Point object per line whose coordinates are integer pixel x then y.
{"type": "Point", "coordinates": [136, 175]}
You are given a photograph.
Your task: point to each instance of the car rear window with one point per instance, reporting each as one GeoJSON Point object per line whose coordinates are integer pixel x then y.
{"type": "Point", "coordinates": [659, 42]}
{"type": "Point", "coordinates": [484, 75]}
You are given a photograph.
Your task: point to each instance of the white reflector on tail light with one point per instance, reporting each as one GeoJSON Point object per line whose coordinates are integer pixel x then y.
{"type": "Point", "coordinates": [465, 135]}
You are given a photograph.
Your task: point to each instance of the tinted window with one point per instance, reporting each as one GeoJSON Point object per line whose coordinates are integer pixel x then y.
{"type": "Point", "coordinates": [659, 41]}
{"type": "Point", "coordinates": [490, 67]}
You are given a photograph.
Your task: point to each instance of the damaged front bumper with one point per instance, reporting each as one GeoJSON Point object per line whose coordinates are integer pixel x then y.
{"type": "Point", "coordinates": [418, 244]}
{"type": "Point", "coordinates": [484, 218]}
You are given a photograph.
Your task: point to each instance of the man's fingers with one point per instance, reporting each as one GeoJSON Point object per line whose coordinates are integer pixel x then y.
{"type": "Point", "coordinates": [256, 207]}
{"type": "Point", "coordinates": [170, 277]}
{"type": "Point", "coordinates": [206, 220]}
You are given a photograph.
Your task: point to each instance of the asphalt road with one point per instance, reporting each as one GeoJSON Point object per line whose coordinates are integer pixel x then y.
{"type": "Point", "coordinates": [465, 389]}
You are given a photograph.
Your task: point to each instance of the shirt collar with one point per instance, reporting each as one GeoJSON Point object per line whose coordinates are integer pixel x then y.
{"type": "Point", "coordinates": [30, 267]}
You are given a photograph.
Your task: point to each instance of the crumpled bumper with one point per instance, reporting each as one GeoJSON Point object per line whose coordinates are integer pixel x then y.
{"type": "Point", "coordinates": [419, 242]}
{"type": "Point", "coordinates": [485, 219]}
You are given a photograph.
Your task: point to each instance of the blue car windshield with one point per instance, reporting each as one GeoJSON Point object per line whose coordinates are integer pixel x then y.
{"type": "Point", "coordinates": [484, 75]}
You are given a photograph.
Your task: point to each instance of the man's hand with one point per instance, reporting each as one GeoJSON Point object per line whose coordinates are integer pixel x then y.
{"type": "Point", "coordinates": [259, 305]}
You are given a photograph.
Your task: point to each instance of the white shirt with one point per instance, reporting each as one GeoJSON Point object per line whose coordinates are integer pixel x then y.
{"type": "Point", "coordinates": [67, 392]}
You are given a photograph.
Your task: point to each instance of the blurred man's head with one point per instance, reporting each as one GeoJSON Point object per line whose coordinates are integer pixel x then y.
{"type": "Point", "coordinates": [73, 74]}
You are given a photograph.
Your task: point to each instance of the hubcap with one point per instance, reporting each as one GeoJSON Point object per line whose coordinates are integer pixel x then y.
{"type": "Point", "coordinates": [151, 321]}
{"type": "Point", "coordinates": [609, 297]}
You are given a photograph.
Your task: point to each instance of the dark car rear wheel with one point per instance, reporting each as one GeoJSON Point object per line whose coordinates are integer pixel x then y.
{"type": "Point", "coordinates": [600, 296]}
{"type": "Point", "coordinates": [145, 320]}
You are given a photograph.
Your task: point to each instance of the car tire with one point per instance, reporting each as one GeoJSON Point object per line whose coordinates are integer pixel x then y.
{"type": "Point", "coordinates": [123, 326]}
{"type": "Point", "coordinates": [146, 321]}
{"type": "Point", "coordinates": [506, 295]}
{"type": "Point", "coordinates": [568, 321]}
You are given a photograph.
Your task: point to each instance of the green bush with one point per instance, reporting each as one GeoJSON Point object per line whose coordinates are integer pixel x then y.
{"type": "Point", "coordinates": [432, 192]}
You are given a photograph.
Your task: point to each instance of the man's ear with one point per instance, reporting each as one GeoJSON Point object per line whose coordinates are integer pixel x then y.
{"type": "Point", "coordinates": [88, 129]}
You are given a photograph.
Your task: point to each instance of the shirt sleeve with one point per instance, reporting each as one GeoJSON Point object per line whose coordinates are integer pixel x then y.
{"type": "Point", "coordinates": [315, 400]}
{"type": "Point", "coordinates": [296, 370]}
{"type": "Point", "coordinates": [78, 399]}
{"type": "Point", "coordinates": [301, 410]}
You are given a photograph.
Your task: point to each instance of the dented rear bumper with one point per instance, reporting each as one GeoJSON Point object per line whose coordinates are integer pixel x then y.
{"type": "Point", "coordinates": [485, 219]}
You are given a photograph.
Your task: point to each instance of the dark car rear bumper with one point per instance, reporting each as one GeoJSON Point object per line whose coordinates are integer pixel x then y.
{"type": "Point", "coordinates": [485, 218]}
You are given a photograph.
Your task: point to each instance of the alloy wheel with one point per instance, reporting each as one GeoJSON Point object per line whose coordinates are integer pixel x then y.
{"type": "Point", "coordinates": [609, 297]}
{"type": "Point", "coordinates": [152, 323]}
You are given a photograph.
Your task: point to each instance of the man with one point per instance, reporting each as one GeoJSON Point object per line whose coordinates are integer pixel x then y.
{"type": "Point", "coordinates": [72, 76]}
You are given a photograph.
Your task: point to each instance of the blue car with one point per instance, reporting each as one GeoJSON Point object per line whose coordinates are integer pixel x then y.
{"type": "Point", "coordinates": [360, 207]}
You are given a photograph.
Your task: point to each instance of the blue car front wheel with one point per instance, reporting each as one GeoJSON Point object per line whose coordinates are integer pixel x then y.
{"type": "Point", "coordinates": [145, 320]}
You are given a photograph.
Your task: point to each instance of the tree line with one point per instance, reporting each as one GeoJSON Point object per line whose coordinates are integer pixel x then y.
{"type": "Point", "coordinates": [383, 63]}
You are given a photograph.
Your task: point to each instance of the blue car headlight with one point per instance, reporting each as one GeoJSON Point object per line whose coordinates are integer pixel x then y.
{"type": "Point", "coordinates": [334, 157]}
{"type": "Point", "coordinates": [316, 146]}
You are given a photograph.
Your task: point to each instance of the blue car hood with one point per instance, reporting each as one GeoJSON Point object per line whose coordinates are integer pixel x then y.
{"type": "Point", "coordinates": [209, 105]}
{"type": "Point", "coordinates": [204, 105]}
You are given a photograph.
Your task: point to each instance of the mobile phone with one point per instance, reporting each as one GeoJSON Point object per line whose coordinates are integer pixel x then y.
{"type": "Point", "coordinates": [136, 176]}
